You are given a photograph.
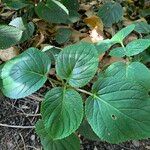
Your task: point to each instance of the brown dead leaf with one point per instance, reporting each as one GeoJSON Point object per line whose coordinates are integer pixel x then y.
{"type": "Point", "coordinates": [9, 53]}
{"type": "Point", "coordinates": [94, 22]}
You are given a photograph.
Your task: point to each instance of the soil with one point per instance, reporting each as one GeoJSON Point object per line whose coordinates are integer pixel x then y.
{"type": "Point", "coordinates": [25, 112]}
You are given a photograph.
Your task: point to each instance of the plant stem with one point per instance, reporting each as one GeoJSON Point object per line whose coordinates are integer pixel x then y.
{"type": "Point", "coordinates": [84, 91]}
{"type": "Point", "coordinates": [52, 81]}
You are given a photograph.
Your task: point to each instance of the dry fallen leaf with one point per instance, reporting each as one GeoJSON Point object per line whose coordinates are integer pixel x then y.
{"type": "Point", "coordinates": [9, 53]}
{"type": "Point", "coordinates": [94, 22]}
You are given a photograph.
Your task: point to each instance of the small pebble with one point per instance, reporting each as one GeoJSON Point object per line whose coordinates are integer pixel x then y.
{"type": "Point", "coordinates": [136, 143]}
{"type": "Point", "coordinates": [32, 137]}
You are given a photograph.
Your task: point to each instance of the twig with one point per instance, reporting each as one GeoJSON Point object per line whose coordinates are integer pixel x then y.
{"type": "Point", "coordinates": [24, 145]}
{"type": "Point", "coordinates": [14, 126]}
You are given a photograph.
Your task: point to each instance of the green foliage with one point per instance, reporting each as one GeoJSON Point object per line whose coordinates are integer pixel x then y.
{"type": "Point", "coordinates": [24, 74]}
{"type": "Point", "coordinates": [12, 34]}
{"type": "Point", "coordinates": [65, 33]}
{"type": "Point", "coordinates": [77, 64]}
{"type": "Point", "coordinates": [62, 115]}
{"type": "Point", "coordinates": [26, 28]}
{"type": "Point", "coordinates": [70, 143]}
{"type": "Point", "coordinates": [17, 4]}
{"type": "Point", "coordinates": [119, 36]}
{"type": "Point", "coordinates": [52, 52]}
{"type": "Point", "coordinates": [53, 11]}
{"type": "Point", "coordinates": [117, 109]}
{"type": "Point", "coordinates": [142, 27]}
{"type": "Point", "coordinates": [86, 130]}
{"type": "Point", "coordinates": [110, 13]}
{"type": "Point", "coordinates": [134, 71]}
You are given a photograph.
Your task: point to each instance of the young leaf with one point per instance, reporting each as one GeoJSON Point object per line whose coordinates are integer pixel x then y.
{"type": "Point", "coordinates": [77, 64]}
{"type": "Point", "coordinates": [137, 46]}
{"type": "Point", "coordinates": [62, 112]}
{"type": "Point", "coordinates": [53, 11]}
{"type": "Point", "coordinates": [119, 110]}
{"type": "Point", "coordinates": [9, 36]}
{"type": "Point", "coordinates": [70, 143]}
{"type": "Point", "coordinates": [119, 36]}
{"type": "Point", "coordinates": [110, 13]}
{"type": "Point", "coordinates": [27, 28]}
{"type": "Point", "coordinates": [104, 45]}
{"type": "Point", "coordinates": [134, 71]}
{"type": "Point", "coordinates": [117, 52]}
{"type": "Point", "coordinates": [25, 74]}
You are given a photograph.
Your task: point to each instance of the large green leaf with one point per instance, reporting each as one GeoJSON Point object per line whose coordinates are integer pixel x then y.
{"type": "Point", "coordinates": [134, 71]}
{"type": "Point", "coordinates": [27, 28]}
{"type": "Point", "coordinates": [25, 74]}
{"type": "Point", "coordinates": [110, 13]}
{"type": "Point", "coordinates": [53, 11]}
{"type": "Point", "coordinates": [77, 64]}
{"type": "Point", "coordinates": [9, 36]}
{"type": "Point", "coordinates": [70, 143]}
{"type": "Point", "coordinates": [62, 112]}
{"type": "Point", "coordinates": [120, 35]}
{"type": "Point", "coordinates": [119, 110]}
{"type": "Point", "coordinates": [137, 46]}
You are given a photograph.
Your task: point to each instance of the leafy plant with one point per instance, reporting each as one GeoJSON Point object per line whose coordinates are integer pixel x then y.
{"type": "Point", "coordinates": [116, 109]}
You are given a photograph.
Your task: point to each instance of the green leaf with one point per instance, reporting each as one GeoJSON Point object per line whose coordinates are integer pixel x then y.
{"type": "Point", "coordinates": [117, 52]}
{"type": "Point", "coordinates": [74, 16]}
{"type": "Point", "coordinates": [137, 46]}
{"type": "Point", "coordinates": [86, 131]}
{"type": "Point", "coordinates": [27, 28]}
{"type": "Point", "coordinates": [17, 4]}
{"type": "Point", "coordinates": [104, 45]}
{"type": "Point", "coordinates": [53, 11]}
{"type": "Point", "coordinates": [134, 71]}
{"type": "Point", "coordinates": [9, 36]}
{"type": "Point", "coordinates": [142, 27]}
{"type": "Point", "coordinates": [71, 4]}
{"type": "Point", "coordinates": [65, 33]}
{"type": "Point", "coordinates": [77, 64]}
{"type": "Point", "coordinates": [70, 143]}
{"type": "Point", "coordinates": [110, 13]}
{"type": "Point", "coordinates": [119, 110]}
{"type": "Point", "coordinates": [120, 35]}
{"type": "Point", "coordinates": [145, 12]}
{"type": "Point", "coordinates": [62, 112]}
{"type": "Point", "coordinates": [52, 52]}
{"type": "Point", "coordinates": [25, 74]}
